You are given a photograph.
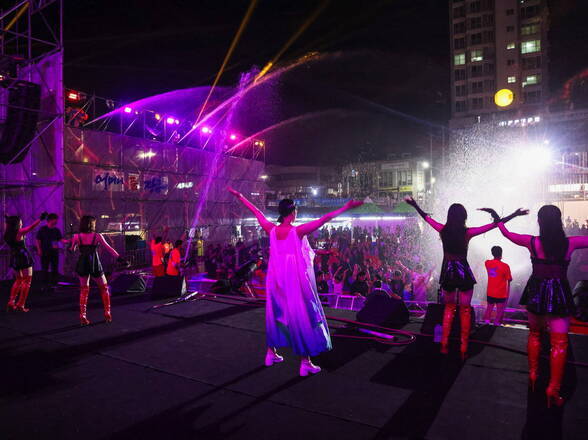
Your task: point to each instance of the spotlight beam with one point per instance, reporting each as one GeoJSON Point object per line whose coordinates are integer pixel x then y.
{"type": "Point", "coordinates": [292, 39]}
{"type": "Point", "coordinates": [236, 39]}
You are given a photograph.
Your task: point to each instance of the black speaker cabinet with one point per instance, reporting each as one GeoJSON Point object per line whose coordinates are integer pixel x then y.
{"type": "Point", "coordinates": [168, 287]}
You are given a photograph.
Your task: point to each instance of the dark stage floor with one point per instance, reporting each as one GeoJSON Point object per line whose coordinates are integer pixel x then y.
{"type": "Point", "coordinates": [194, 370]}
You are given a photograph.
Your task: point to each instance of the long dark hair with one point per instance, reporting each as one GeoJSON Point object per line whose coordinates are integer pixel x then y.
{"type": "Point", "coordinates": [453, 233]}
{"type": "Point", "coordinates": [551, 232]}
{"type": "Point", "coordinates": [12, 227]}
{"type": "Point", "coordinates": [285, 208]}
{"type": "Point", "coordinates": [88, 224]}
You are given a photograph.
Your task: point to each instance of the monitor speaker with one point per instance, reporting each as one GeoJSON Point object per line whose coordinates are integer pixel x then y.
{"type": "Point", "coordinates": [384, 311]}
{"type": "Point", "coordinates": [168, 287]}
{"type": "Point", "coordinates": [127, 283]}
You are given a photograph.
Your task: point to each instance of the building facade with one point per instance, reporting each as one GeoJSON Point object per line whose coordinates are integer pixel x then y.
{"type": "Point", "coordinates": [387, 182]}
{"type": "Point", "coordinates": [307, 184]}
{"type": "Point", "coordinates": [497, 44]}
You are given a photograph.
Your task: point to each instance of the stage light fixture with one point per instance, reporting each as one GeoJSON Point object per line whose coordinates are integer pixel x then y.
{"type": "Point", "coordinates": [206, 130]}
{"type": "Point", "coordinates": [177, 122]}
{"type": "Point", "coordinates": [233, 137]}
{"type": "Point", "coordinates": [128, 110]}
{"type": "Point", "coordinates": [73, 96]}
{"type": "Point", "coordinates": [170, 120]}
{"type": "Point", "coordinates": [157, 117]}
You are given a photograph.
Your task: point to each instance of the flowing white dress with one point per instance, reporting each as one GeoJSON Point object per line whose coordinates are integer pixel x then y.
{"type": "Point", "coordinates": [294, 314]}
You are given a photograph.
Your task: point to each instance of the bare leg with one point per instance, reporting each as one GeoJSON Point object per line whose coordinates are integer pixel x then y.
{"type": "Point", "coordinates": [499, 313]}
{"type": "Point", "coordinates": [488, 313]}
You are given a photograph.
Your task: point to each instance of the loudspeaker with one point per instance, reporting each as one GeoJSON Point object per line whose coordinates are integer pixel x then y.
{"type": "Point", "coordinates": [380, 309]}
{"type": "Point", "coordinates": [434, 316]}
{"type": "Point", "coordinates": [581, 300]}
{"type": "Point", "coordinates": [24, 102]}
{"type": "Point", "coordinates": [168, 287]}
{"type": "Point", "coordinates": [127, 283]}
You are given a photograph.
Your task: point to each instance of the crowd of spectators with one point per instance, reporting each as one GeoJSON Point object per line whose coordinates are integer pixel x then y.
{"type": "Point", "coordinates": [351, 261]}
{"type": "Point", "coordinates": [574, 227]}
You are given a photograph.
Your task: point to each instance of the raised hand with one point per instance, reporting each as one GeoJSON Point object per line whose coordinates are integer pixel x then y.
{"type": "Point", "coordinates": [410, 201]}
{"type": "Point", "coordinates": [520, 212]}
{"type": "Point", "coordinates": [492, 212]}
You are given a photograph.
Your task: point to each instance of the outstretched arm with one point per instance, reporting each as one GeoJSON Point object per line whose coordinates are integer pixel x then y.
{"type": "Point", "coordinates": [23, 231]}
{"type": "Point", "coordinates": [426, 217]}
{"type": "Point", "coordinates": [578, 242]}
{"type": "Point", "coordinates": [472, 232]}
{"type": "Point", "coordinates": [263, 222]}
{"type": "Point", "coordinates": [109, 248]}
{"type": "Point", "coordinates": [478, 230]}
{"type": "Point", "coordinates": [519, 239]}
{"type": "Point", "coordinates": [310, 227]}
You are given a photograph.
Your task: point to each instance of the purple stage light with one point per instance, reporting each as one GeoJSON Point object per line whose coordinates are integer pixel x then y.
{"type": "Point", "coordinates": [128, 110]}
{"type": "Point", "coordinates": [177, 122]}
{"type": "Point", "coordinates": [206, 130]}
{"type": "Point", "coordinates": [233, 137]}
{"type": "Point", "coordinates": [170, 120]}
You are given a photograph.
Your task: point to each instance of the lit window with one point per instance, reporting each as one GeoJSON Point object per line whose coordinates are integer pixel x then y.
{"type": "Point", "coordinates": [510, 45]}
{"type": "Point", "coordinates": [459, 59]}
{"type": "Point", "coordinates": [530, 29]}
{"type": "Point", "coordinates": [531, 46]}
{"type": "Point", "coordinates": [477, 55]}
{"type": "Point", "coordinates": [511, 79]}
{"type": "Point", "coordinates": [531, 79]}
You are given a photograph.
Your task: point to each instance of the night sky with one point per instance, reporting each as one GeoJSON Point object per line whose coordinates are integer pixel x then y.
{"type": "Point", "coordinates": [383, 79]}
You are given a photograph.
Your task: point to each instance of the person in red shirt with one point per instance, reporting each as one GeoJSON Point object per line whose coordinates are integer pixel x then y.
{"type": "Point", "coordinates": [175, 260]}
{"type": "Point", "coordinates": [499, 278]}
{"type": "Point", "coordinates": [158, 252]}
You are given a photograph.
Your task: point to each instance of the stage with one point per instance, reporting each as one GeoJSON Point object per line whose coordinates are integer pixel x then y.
{"type": "Point", "coordinates": [194, 370]}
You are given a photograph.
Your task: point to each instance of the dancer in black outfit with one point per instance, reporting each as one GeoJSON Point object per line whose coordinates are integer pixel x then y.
{"type": "Point", "coordinates": [456, 275]}
{"type": "Point", "coordinates": [89, 265]}
{"type": "Point", "coordinates": [547, 295]}
{"type": "Point", "coordinates": [20, 260]}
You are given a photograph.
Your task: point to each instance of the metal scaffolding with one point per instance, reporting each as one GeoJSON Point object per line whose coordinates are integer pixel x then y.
{"type": "Point", "coordinates": [31, 50]}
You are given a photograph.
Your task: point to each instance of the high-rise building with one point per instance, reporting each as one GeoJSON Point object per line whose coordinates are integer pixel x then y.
{"type": "Point", "coordinates": [497, 44]}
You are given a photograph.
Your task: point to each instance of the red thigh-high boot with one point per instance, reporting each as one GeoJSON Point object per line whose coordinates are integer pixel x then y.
{"type": "Point", "coordinates": [533, 353]}
{"type": "Point", "coordinates": [13, 294]}
{"type": "Point", "coordinates": [106, 302]}
{"type": "Point", "coordinates": [84, 291]}
{"type": "Point", "coordinates": [25, 287]}
{"type": "Point", "coordinates": [558, 357]}
{"type": "Point", "coordinates": [448, 315]}
{"type": "Point", "coordinates": [465, 315]}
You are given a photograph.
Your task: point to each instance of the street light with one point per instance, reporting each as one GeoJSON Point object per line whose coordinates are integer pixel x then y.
{"type": "Point", "coordinates": [426, 165]}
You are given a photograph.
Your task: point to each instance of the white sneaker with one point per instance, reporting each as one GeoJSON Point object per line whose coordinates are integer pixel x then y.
{"type": "Point", "coordinates": [272, 357]}
{"type": "Point", "coordinates": [307, 367]}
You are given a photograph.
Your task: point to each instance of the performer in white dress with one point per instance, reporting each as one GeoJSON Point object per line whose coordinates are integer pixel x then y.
{"type": "Point", "coordinates": [294, 315]}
